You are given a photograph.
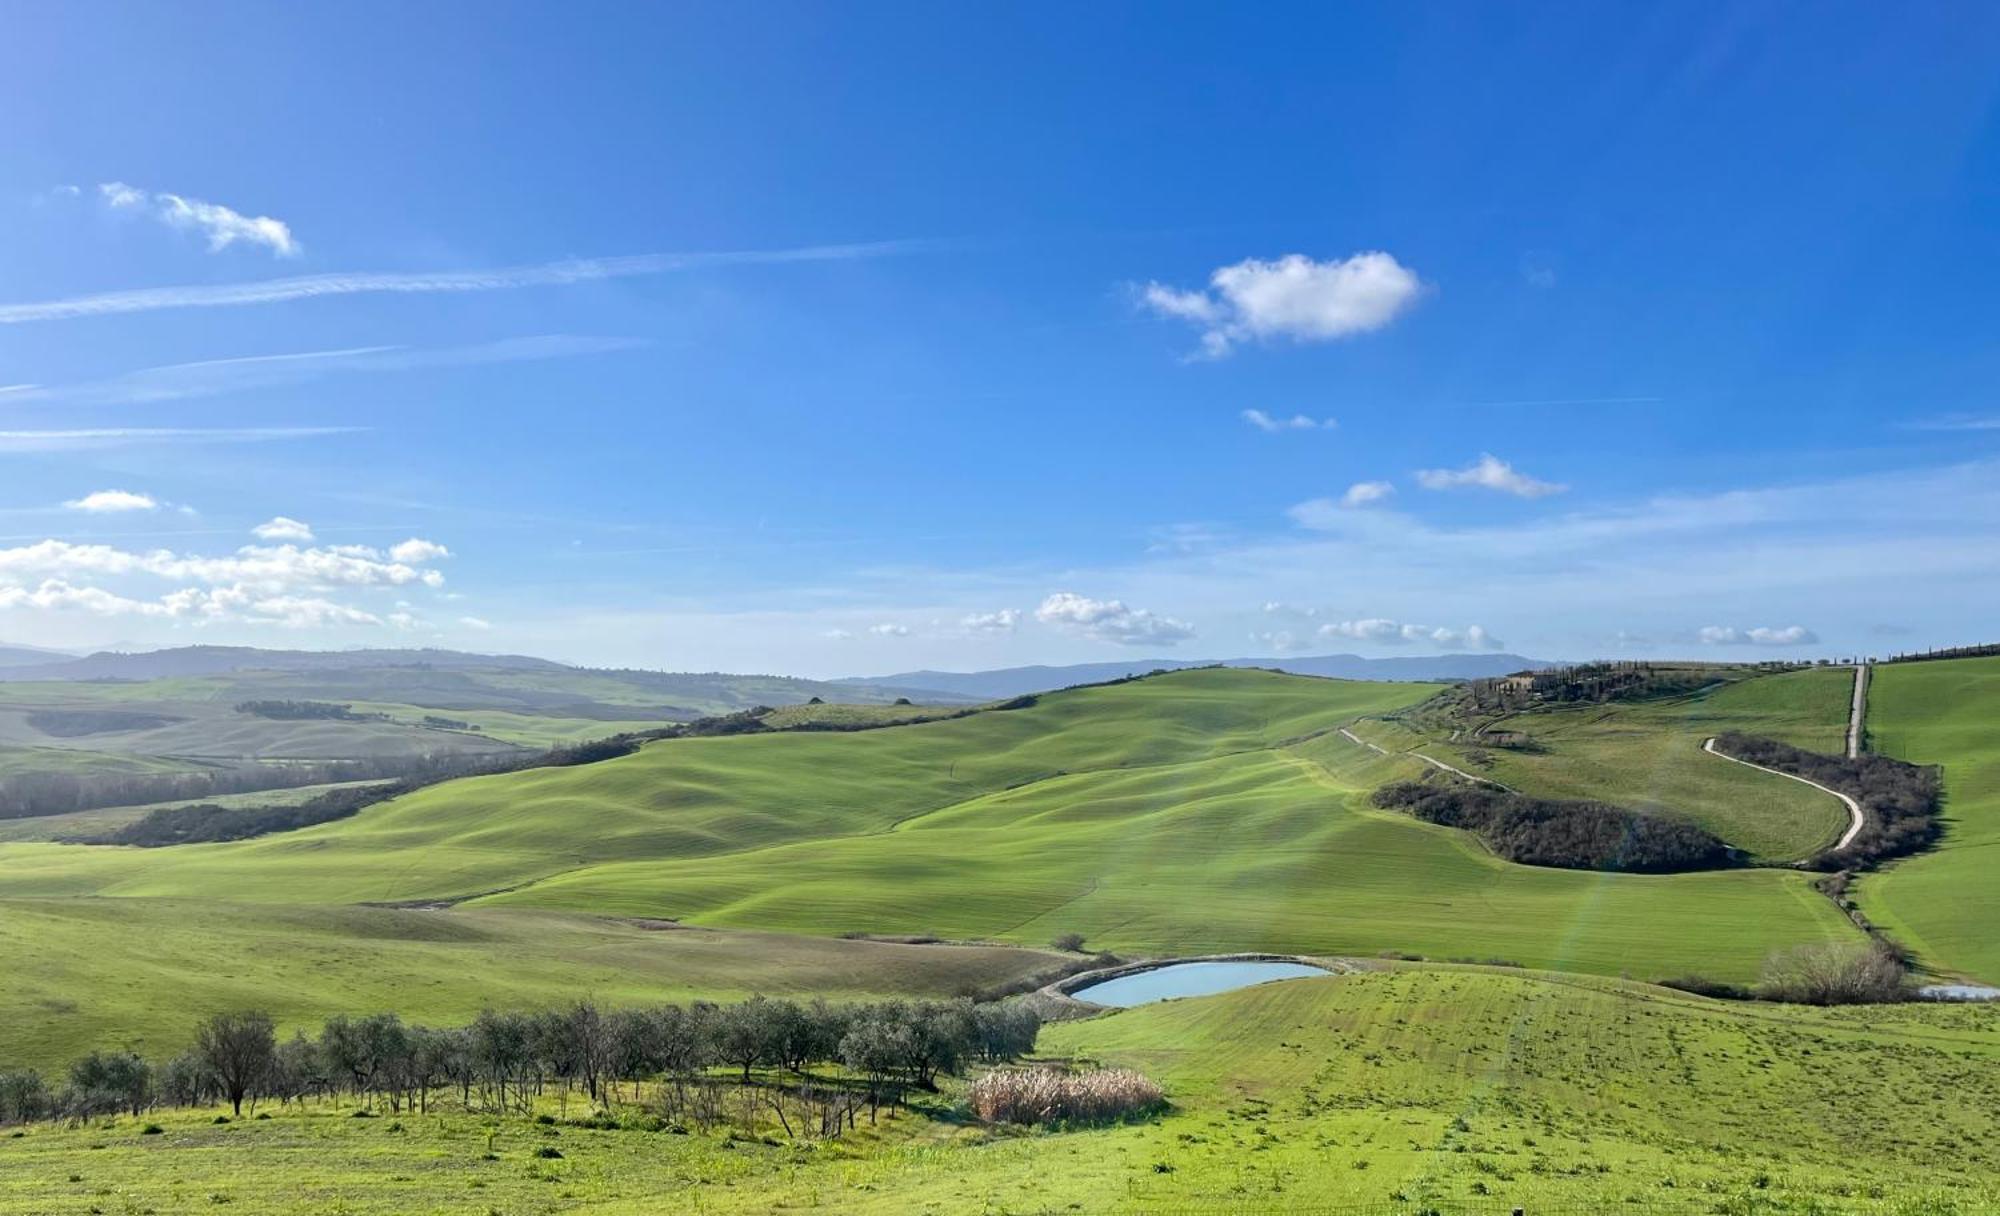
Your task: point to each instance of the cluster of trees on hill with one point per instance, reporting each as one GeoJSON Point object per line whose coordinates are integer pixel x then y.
{"type": "Point", "coordinates": [1585, 682]}
{"type": "Point", "coordinates": [1949, 652]}
{"type": "Point", "coordinates": [306, 711]}
{"type": "Point", "coordinates": [1899, 801]}
{"type": "Point", "coordinates": [207, 823]}
{"type": "Point", "coordinates": [504, 1061]}
{"type": "Point", "coordinates": [1571, 835]}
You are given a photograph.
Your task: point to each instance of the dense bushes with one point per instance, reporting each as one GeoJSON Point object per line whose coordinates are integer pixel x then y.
{"type": "Point", "coordinates": [206, 823]}
{"type": "Point", "coordinates": [1565, 834]}
{"type": "Point", "coordinates": [1046, 1095]}
{"type": "Point", "coordinates": [1836, 975]}
{"type": "Point", "coordinates": [306, 711]}
{"type": "Point", "coordinates": [1899, 801]}
{"type": "Point", "coordinates": [504, 1060]}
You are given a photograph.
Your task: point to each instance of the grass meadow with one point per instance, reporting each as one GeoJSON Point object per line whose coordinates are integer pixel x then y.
{"type": "Point", "coordinates": [1204, 811]}
{"type": "Point", "coordinates": [1415, 1088]}
{"type": "Point", "coordinates": [1944, 904]}
{"type": "Point", "coordinates": [1648, 756]}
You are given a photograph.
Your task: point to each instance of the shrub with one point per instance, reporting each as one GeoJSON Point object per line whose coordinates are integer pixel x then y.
{"type": "Point", "coordinates": [1044, 1095]}
{"type": "Point", "coordinates": [1836, 975]}
{"type": "Point", "coordinates": [1071, 942]}
{"type": "Point", "coordinates": [1567, 834]}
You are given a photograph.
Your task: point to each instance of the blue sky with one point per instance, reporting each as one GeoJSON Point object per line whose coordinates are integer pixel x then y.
{"type": "Point", "coordinates": [843, 339]}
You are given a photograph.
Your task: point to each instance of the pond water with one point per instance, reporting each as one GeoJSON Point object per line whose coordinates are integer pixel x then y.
{"type": "Point", "coordinates": [1959, 992]}
{"type": "Point", "coordinates": [1189, 979]}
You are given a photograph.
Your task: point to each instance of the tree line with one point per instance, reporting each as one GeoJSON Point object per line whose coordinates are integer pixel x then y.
{"type": "Point", "coordinates": [1572, 835]}
{"type": "Point", "coordinates": [306, 711]}
{"type": "Point", "coordinates": [685, 1058]}
{"type": "Point", "coordinates": [1899, 801]}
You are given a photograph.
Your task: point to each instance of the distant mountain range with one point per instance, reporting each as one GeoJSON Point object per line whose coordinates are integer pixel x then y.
{"type": "Point", "coordinates": [223, 660]}
{"type": "Point", "coordinates": [696, 692]}
{"type": "Point", "coordinates": [1013, 681]}
{"type": "Point", "coordinates": [30, 656]}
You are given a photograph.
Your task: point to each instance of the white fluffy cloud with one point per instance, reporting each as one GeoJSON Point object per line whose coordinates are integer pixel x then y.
{"type": "Point", "coordinates": [416, 552]}
{"type": "Point", "coordinates": [221, 226]}
{"type": "Point", "coordinates": [1002, 621]}
{"type": "Point", "coordinates": [889, 629]}
{"type": "Point", "coordinates": [1729, 635]}
{"type": "Point", "coordinates": [1383, 630]}
{"type": "Point", "coordinates": [1111, 621]}
{"type": "Point", "coordinates": [282, 528]}
{"type": "Point", "coordinates": [475, 622]}
{"type": "Point", "coordinates": [104, 502]}
{"type": "Point", "coordinates": [284, 585]}
{"type": "Point", "coordinates": [1489, 472]}
{"type": "Point", "coordinates": [1366, 493]}
{"type": "Point", "coordinates": [1271, 425]}
{"type": "Point", "coordinates": [1293, 297]}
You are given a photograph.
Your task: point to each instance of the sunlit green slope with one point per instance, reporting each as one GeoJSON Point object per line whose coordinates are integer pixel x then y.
{"type": "Point", "coordinates": [1647, 755]}
{"type": "Point", "coordinates": [1944, 904]}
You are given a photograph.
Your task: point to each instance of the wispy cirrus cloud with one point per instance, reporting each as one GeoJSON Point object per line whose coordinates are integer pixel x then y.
{"type": "Point", "coordinates": [220, 226]}
{"type": "Point", "coordinates": [1489, 472]}
{"type": "Point", "coordinates": [212, 377]}
{"type": "Point", "coordinates": [126, 437]}
{"type": "Point", "coordinates": [1278, 424]}
{"type": "Point", "coordinates": [543, 274]}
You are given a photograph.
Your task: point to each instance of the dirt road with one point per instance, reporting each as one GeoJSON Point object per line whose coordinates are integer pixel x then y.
{"type": "Point", "coordinates": [1855, 820]}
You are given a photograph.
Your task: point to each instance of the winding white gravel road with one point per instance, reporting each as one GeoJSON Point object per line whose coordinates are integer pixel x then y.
{"type": "Point", "coordinates": [1855, 820]}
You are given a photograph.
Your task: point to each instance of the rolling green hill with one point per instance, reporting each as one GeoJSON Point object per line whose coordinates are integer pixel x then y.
{"type": "Point", "coordinates": [1647, 755]}
{"type": "Point", "coordinates": [1203, 810]}
{"type": "Point", "coordinates": [1944, 904]}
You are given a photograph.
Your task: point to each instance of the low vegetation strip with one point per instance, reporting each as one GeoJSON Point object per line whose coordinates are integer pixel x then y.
{"type": "Point", "coordinates": [1899, 802]}
{"type": "Point", "coordinates": [1572, 835]}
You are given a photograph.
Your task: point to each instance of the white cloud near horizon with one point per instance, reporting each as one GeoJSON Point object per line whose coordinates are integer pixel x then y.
{"type": "Point", "coordinates": [1297, 422]}
{"type": "Point", "coordinates": [1729, 635]}
{"type": "Point", "coordinates": [282, 527]}
{"type": "Point", "coordinates": [221, 226]}
{"type": "Point", "coordinates": [273, 584]}
{"type": "Point", "coordinates": [1383, 630]}
{"type": "Point", "coordinates": [1111, 621]}
{"type": "Point", "coordinates": [545, 274]}
{"type": "Point", "coordinates": [1002, 621]}
{"type": "Point", "coordinates": [889, 629]}
{"type": "Point", "coordinates": [102, 502]}
{"type": "Point", "coordinates": [1292, 297]}
{"type": "Point", "coordinates": [1489, 472]}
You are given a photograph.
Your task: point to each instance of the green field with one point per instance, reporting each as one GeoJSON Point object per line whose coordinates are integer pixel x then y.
{"type": "Point", "coordinates": [1201, 811]}
{"type": "Point", "coordinates": [139, 972]}
{"type": "Point", "coordinates": [1411, 1089]}
{"type": "Point", "coordinates": [1647, 755]}
{"type": "Point", "coordinates": [1944, 904]}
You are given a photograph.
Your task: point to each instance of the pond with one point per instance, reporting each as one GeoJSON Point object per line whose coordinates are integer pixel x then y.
{"type": "Point", "coordinates": [1959, 992]}
{"type": "Point", "coordinates": [1189, 979]}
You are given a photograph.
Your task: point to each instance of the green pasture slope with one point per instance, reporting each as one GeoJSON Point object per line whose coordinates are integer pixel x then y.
{"type": "Point", "coordinates": [89, 973]}
{"type": "Point", "coordinates": [1406, 1090]}
{"type": "Point", "coordinates": [1198, 811]}
{"type": "Point", "coordinates": [1647, 755]}
{"type": "Point", "coordinates": [1944, 904]}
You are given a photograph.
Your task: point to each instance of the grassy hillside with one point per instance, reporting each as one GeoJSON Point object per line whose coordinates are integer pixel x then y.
{"type": "Point", "coordinates": [1647, 755]}
{"type": "Point", "coordinates": [1944, 904]}
{"type": "Point", "coordinates": [1207, 810]}
{"type": "Point", "coordinates": [1405, 1091]}
{"type": "Point", "coordinates": [140, 972]}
